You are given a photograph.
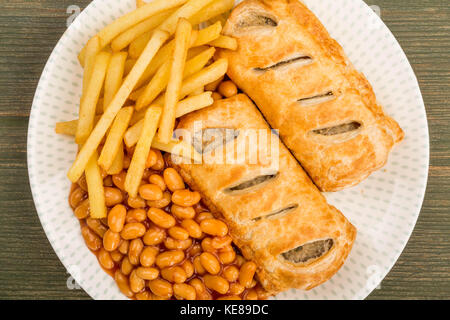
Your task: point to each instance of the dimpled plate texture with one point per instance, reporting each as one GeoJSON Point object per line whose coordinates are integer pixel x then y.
{"type": "Point", "coordinates": [384, 207]}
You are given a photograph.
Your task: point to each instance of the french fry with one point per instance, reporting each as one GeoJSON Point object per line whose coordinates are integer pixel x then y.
{"type": "Point", "coordinates": [138, 45]}
{"type": "Point", "coordinates": [136, 94]}
{"type": "Point", "coordinates": [140, 3]}
{"type": "Point", "coordinates": [96, 190]}
{"type": "Point", "coordinates": [161, 78]}
{"type": "Point", "coordinates": [179, 148]}
{"type": "Point", "coordinates": [129, 20]}
{"type": "Point", "coordinates": [99, 107]}
{"type": "Point", "coordinates": [75, 172]}
{"type": "Point", "coordinates": [70, 127]}
{"type": "Point", "coordinates": [92, 49]}
{"type": "Point", "coordinates": [129, 64]}
{"type": "Point", "coordinates": [115, 137]}
{"type": "Point", "coordinates": [114, 77]}
{"type": "Point", "coordinates": [197, 92]}
{"type": "Point", "coordinates": [225, 42]}
{"type": "Point", "coordinates": [186, 11]}
{"type": "Point", "coordinates": [117, 165]}
{"type": "Point", "coordinates": [124, 39]}
{"type": "Point", "coordinates": [214, 85]}
{"type": "Point", "coordinates": [208, 34]}
{"type": "Point", "coordinates": [89, 100]}
{"type": "Point", "coordinates": [183, 107]}
{"type": "Point", "coordinates": [207, 75]}
{"type": "Point", "coordinates": [212, 10]}
{"type": "Point", "coordinates": [177, 63]}
{"type": "Point", "coordinates": [137, 165]}
{"type": "Point", "coordinates": [194, 103]}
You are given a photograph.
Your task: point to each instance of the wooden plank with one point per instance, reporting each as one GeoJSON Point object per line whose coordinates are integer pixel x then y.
{"type": "Point", "coordinates": [31, 270]}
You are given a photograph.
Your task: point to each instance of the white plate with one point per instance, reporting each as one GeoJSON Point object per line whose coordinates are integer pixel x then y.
{"type": "Point", "coordinates": [384, 207]}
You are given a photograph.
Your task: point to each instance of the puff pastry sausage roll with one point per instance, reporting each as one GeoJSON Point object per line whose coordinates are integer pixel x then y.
{"type": "Point", "coordinates": [276, 215]}
{"type": "Point", "coordinates": [301, 80]}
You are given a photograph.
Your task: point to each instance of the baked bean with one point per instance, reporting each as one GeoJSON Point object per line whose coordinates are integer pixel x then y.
{"type": "Point", "coordinates": [116, 217]}
{"type": "Point", "coordinates": [82, 183]}
{"type": "Point", "coordinates": [216, 96]}
{"type": "Point", "coordinates": [151, 159]}
{"type": "Point", "coordinates": [227, 89]}
{"type": "Point", "coordinates": [227, 257]}
{"type": "Point", "coordinates": [147, 273]}
{"type": "Point", "coordinates": [132, 231]}
{"type": "Point", "coordinates": [161, 288]}
{"type": "Point", "coordinates": [158, 180]}
{"type": "Point", "coordinates": [199, 269]}
{"type": "Point", "coordinates": [246, 273]}
{"type": "Point", "coordinates": [107, 182]}
{"type": "Point", "coordinates": [105, 259]}
{"type": "Point", "coordinates": [236, 288]}
{"type": "Point", "coordinates": [119, 180]}
{"type": "Point", "coordinates": [185, 197]}
{"type": "Point", "coordinates": [251, 295]}
{"type": "Point", "coordinates": [136, 202]}
{"type": "Point", "coordinates": [196, 249]}
{"type": "Point", "coordinates": [113, 196]}
{"type": "Point", "coordinates": [150, 192]}
{"type": "Point", "coordinates": [210, 263]}
{"type": "Point", "coordinates": [173, 244]}
{"type": "Point", "coordinates": [161, 203]}
{"type": "Point", "coordinates": [96, 226]}
{"type": "Point", "coordinates": [169, 258]}
{"type": "Point", "coordinates": [159, 165]}
{"type": "Point", "coordinates": [126, 162]}
{"type": "Point", "coordinates": [144, 295]}
{"type": "Point", "coordinates": [173, 180]}
{"type": "Point", "coordinates": [155, 297]}
{"type": "Point", "coordinates": [178, 233]}
{"type": "Point", "coordinates": [192, 228]}
{"type": "Point", "coordinates": [123, 283]}
{"type": "Point", "coordinates": [203, 216]}
{"type": "Point", "coordinates": [154, 236]}
{"type": "Point", "coordinates": [216, 283]}
{"type": "Point", "coordinates": [182, 212]}
{"type": "Point", "coordinates": [136, 282]}
{"type": "Point", "coordinates": [207, 245]}
{"type": "Point", "coordinates": [135, 250]}
{"type": "Point", "coordinates": [136, 215]}
{"type": "Point", "coordinates": [93, 241]}
{"type": "Point", "coordinates": [188, 268]}
{"type": "Point", "coordinates": [126, 267]}
{"type": "Point", "coordinates": [240, 260]}
{"type": "Point", "coordinates": [123, 246]}
{"type": "Point", "coordinates": [82, 210]}
{"type": "Point", "coordinates": [214, 227]}
{"type": "Point", "coordinates": [111, 240]}
{"type": "Point", "coordinates": [184, 291]}
{"type": "Point", "coordinates": [174, 274]}
{"type": "Point", "coordinates": [253, 284]}
{"type": "Point", "coordinates": [76, 197]}
{"type": "Point", "coordinates": [231, 273]}
{"type": "Point", "coordinates": [148, 256]}
{"type": "Point", "coordinates": [229, 298]}
{"type": "Point", "coordinates": [116, 256]}
{"type": "Point", "coordinates": [221, 242]}
{"type": "Point", "coordinates": [160, 218]}
{"type": "Point", "coordinates": [200, 289]}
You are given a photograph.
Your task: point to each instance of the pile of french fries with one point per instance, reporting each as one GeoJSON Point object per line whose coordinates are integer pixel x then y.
{"type": "Point", "coordinates": [141, 73]}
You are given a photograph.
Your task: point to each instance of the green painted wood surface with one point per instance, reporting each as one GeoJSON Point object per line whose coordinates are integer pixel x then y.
{"type": "Point", "coordinates": [29, 268]}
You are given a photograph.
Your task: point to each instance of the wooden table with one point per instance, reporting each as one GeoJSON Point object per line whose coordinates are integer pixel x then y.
{"type": "Point", "coordinates": [29, 268]}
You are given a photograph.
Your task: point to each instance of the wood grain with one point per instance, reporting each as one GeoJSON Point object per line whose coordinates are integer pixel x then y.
{"type": "Point", "coordinates": [29, 29]}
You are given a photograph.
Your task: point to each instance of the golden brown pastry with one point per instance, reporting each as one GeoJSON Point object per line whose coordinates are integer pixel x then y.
{"type": "Point", "coordinates": [301, 80]}
{"type": "Point", "coordinates": [277, 216]}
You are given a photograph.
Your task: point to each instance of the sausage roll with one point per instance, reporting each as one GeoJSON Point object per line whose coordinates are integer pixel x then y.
{"type": "Point", "coordinates": [301, 80]}
{"type": "Point", "coordinates": [276, 215]}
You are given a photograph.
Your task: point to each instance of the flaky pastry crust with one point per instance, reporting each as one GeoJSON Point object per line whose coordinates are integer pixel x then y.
{"type": "Point", "coordinates": [305, 86]}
